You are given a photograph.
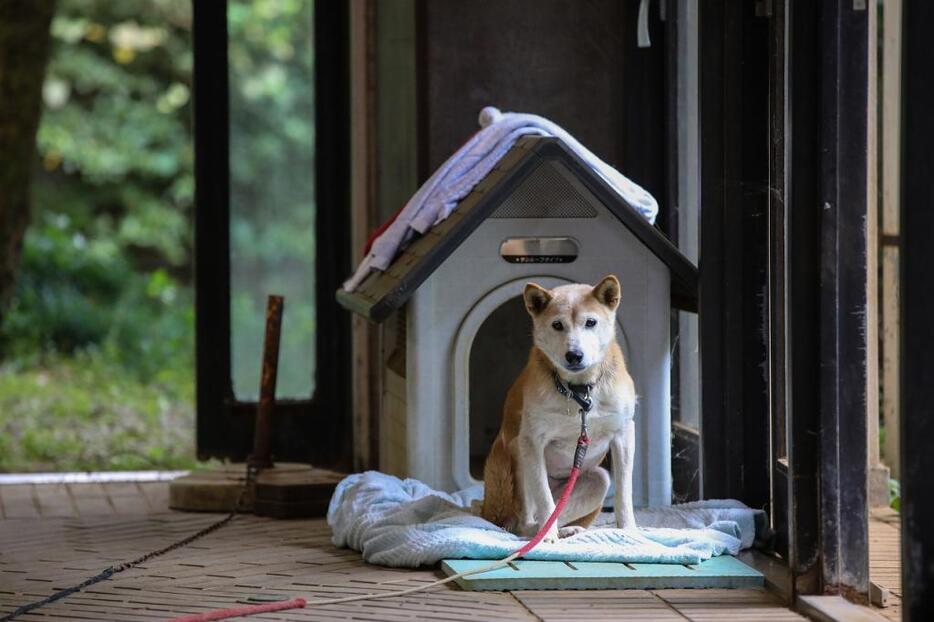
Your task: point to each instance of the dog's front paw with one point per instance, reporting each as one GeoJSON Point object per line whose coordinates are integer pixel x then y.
{"type": "Point", "coordinates": [571, 530]}
{"type": "Point", "coordinates": [552, 536]}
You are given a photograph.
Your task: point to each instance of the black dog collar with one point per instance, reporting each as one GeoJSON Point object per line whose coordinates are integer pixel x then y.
{"type": "Point", "coordinates": [580, 393]}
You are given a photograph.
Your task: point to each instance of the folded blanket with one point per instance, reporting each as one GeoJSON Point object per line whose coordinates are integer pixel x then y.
{"type": "Point", "coordinates": [438, 197]}
{"type": "Point", "coordinates": [404, 523]}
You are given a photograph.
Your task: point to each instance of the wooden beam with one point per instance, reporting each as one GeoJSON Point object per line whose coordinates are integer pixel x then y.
{"type": "Point", "coordinates": [683, 187]}
{"type": "Point", "coordinates": [872, 244]}
{"type": "Point", "coordinates": [734, 153]}
{"type": "Point", "coordinates": [777, 279]}
{"type": "Point", "coordinates": [399, 139]}
{"type": "Point", "coordinates": [364, 218]}
{"type": "Point", "coordinates": [802, 425]}
{"type": "Point", "coordinates": [212, 232]}
{"type": "Point", "coordinates": [844, 444]}
{"type": "Point", "coordinates": [891, 157]}
{"type": "Point", "coordinates": [878, 473]}
{"type": "Point", "coordinates": [331, 439]}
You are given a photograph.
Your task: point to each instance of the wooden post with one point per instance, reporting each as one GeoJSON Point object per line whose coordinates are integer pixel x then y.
{"type": "Point", "coordinates": [363, 219]}
{"type": "Point", "coordinates": [878, 473]}
{"type": "Point", "coordinates": [844, 451]}
{"type": "Point", "coordinates": [891, 166]}
{"type": "Point", "coordinates": [800, 479]}
{"type": "Point", "coordinates": [734, 141]}
{"type": "Point", "coordinates": [397, 164]}
{"type": "Point", "coordinates": [872, 251]}
{"type": "Point", "coordinates": [262, 435]}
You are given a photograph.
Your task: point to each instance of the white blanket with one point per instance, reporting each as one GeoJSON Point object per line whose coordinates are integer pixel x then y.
{"type": "Point", "coordinates": [407, 524]}
{"type": "Point", "coordinates": [438, 197]}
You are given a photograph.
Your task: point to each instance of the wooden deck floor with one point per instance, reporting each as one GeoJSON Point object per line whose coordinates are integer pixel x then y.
{"type": "Point", "coordinates": [53, 536]}
{"type": "Point", "coordinates": [885, 558]}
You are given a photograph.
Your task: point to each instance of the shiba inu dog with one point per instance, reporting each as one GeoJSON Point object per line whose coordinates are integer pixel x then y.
{"type": "Point", "coordinates": [575, 348]}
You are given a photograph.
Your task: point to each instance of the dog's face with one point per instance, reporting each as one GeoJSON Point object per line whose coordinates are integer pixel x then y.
{"type": "Point", "coordinates": [574, 324]}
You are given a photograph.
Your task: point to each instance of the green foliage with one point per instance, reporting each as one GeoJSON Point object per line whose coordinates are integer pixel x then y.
{"type": "Point", "coordinates": [115, 138]}
{"type": "Point", "coordinates": [97, 349]}
{"type": "Point", "coordinates": [63, 287]}
{"type": "Point", "coordinates": [895, 495]}
{"type": "Point", "coordinates": [76, 294]}
{"type": "Point", "coordinates": [99, 372]}
{"type": "Point", "coordinates": [85, 412]}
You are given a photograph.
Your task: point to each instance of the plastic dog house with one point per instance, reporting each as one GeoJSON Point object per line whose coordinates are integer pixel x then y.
{"type": "Point", "coordinates": [456, 333]}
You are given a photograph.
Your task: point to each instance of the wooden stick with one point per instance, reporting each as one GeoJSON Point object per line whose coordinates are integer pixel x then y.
{"type": "Point", "coordinates": [262, 435]}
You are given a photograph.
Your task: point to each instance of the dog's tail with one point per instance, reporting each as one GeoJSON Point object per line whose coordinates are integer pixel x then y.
{"type": "Point", "coordinates": [500, 504]}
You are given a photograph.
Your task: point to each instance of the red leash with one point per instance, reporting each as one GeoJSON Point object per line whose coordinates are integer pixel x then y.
{"type": "Point", "coordinates": [582, 443]}
{"type": "Point", "coordinates": [246, 610]}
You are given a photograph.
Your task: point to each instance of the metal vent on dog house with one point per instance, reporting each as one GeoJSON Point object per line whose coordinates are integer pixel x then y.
{"type": "Point", "coordinates": [551, 191]}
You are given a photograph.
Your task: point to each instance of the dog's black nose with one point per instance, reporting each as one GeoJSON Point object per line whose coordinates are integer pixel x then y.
{"type": "Point", "coordinates": [574, 357]}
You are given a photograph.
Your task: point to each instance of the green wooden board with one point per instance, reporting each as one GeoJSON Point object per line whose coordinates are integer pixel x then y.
{"type": "Point", "coordinates": [723, 572]}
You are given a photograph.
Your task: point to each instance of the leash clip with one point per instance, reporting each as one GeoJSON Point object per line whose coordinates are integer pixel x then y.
{"type": "Point", "coordinates": [583, 441]}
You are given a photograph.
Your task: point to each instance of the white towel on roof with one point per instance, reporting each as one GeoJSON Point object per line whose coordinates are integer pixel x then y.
{"type": "Point", "coordinates": [404, 523]}
{"type": "Point", "coordinates": [435, 200]}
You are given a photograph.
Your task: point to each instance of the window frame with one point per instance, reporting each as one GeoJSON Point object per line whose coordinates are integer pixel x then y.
{"type": "Point", "coordinates": [317, 429]}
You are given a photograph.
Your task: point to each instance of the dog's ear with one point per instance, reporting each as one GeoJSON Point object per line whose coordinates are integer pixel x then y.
{"type": "Point", "coordinates": [607, 291]}
{"type": "Point", "coordinates": [536, 298]}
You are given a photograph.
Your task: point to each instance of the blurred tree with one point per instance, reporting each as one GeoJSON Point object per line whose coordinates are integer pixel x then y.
{"type": "Point", "coordinates": [24, 53]}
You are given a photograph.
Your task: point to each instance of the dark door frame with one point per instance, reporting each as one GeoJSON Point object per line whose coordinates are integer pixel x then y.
{"type": "Point", "coordinates": [826, 268]}
{"type": "Point", "coordinates": [800, 486]}
{"type": "Point", "coordinates": [316, 429]}
{"type": "Point", "coordinates": [844, 476]}
{"type": "Point", "coordinates": [811, 221]}
{"type": "Point", "coordinates": [734, 133]}
{"type": "Point", "coordinates": [917, 310]}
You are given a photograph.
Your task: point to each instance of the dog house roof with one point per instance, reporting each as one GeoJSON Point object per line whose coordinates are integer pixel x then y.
{"type": "Point", "coordinates": [381, 293]}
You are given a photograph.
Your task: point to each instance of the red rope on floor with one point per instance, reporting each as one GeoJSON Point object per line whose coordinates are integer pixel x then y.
{"type": "Point", "coordinates": [246, 610]}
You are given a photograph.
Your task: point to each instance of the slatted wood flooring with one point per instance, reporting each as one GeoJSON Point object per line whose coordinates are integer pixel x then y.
{"type": "Point", "coordinates": [885, 558]}
{"type": "Point", "coordinates": [84, 500]}
{"type": "Point", "coordinates": [54, 536]}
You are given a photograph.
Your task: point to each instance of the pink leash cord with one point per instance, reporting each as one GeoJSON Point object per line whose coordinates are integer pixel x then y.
{"type": "Point", "coordinates": [582, 442]}
{"type": "Point", "coordinates": [246, 610]}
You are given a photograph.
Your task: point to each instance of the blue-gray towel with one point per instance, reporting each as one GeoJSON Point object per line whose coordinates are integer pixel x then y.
{"type": "Point", "coordinates": [404, 523]}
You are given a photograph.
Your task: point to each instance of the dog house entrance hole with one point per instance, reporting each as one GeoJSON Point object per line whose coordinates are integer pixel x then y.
{"type": "Point", "coordinates": [497, 356]}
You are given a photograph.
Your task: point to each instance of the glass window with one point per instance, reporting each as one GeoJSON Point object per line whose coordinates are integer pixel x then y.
{"type": "Point", "coordinates": [272, 189]}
